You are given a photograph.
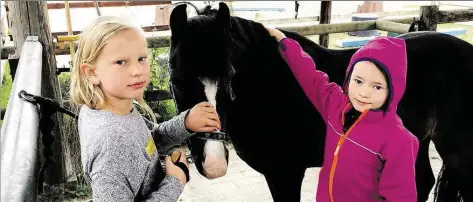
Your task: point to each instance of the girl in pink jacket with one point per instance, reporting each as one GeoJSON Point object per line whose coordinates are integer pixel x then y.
{"type": "Point", "coordinates": [369, 154]}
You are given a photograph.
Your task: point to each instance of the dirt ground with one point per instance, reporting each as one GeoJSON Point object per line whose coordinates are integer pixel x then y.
{"type": "Point", "coordinates": [243, 184]}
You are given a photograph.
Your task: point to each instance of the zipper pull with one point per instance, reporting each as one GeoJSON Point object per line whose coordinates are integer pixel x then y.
{"type": "Point", "coordinates": [336, 150]}
{"type": "Point", "coordinates": [339, 143]}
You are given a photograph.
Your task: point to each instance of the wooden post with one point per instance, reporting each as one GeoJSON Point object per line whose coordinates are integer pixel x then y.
{"type": "Point", "coordinates": [30, 18]}
{"type": "Point", "coordinates": [428, 14]}
{"type": "Point", "coordinates": [325, 13]}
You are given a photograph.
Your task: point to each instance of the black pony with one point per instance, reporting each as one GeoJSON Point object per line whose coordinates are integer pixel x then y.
{"type": "Point", "coordinates": [234, 63]}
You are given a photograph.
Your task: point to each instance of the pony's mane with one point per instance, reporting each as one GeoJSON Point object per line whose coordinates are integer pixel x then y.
{"type": "Point", "coordinates": [238, 36]}
{"type": "Point", "coordinates": [247, 27]}
{"type": "Point", "coordinates": [206, 13]}
{"type": "Point", "coordinates": [244, 34]}
{"type": "Point", "coordinates": [207, 10]}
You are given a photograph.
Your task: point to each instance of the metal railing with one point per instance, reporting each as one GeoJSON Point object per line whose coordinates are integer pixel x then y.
{"type": "Point", "coordinates": [20, 129]}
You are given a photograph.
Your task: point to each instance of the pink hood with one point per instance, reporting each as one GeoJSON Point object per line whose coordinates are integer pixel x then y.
{"type": "Point", "coordinates": [390, 54]}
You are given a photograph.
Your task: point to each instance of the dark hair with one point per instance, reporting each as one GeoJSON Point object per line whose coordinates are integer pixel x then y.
{"type": "Point", "coordinates": [380, 66]}
{"type": "Point", "coordinates": [385, 106]}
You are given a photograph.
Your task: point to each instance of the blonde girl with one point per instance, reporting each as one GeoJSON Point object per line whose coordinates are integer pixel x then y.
{"type": "Point", "coordinates": [119, 151]}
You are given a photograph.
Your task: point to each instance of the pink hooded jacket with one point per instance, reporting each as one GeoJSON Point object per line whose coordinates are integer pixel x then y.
{"type": "Point", "coordinates": [375, 159]}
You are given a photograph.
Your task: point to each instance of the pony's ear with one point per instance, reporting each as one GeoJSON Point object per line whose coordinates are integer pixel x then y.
{"type": "Point", "coordinates": [178, 20]}
{"type": "Point", "coordinates": [223, 15]}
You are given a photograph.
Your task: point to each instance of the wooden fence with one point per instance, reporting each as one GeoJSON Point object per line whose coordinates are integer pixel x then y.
{"type": "Point", "coordinates": [399, 25]}
{"type": "Point", "coordinates": [431, 15]}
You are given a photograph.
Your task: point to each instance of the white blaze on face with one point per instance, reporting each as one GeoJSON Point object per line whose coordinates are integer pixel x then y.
{"type": "Point", "coordinates": [215, 164]}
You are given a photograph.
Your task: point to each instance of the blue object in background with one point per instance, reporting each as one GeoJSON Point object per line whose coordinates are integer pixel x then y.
{"type": "Point", "coordinates": [364, 17]}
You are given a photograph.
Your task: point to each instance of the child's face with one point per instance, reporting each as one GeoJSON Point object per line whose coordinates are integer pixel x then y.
{"type": "Point", "coordinates": [122, 69]}
{"type": "Point", "coordinates": [367, 88]}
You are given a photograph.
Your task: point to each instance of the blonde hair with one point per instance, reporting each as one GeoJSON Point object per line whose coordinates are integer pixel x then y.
{"type": "Point", "coordinates": [92, 40]}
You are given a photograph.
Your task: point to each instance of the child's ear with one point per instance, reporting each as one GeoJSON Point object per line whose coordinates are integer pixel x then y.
{"type": "Point", "coordinates": [89, 71]}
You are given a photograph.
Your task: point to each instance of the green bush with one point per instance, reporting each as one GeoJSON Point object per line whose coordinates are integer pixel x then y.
{"type": "Point", "coordinates": [160, 81]}
{"type": "Point", "coordinates": [64, 84]}
{"type": "Point", "coordinates": [5, 89]}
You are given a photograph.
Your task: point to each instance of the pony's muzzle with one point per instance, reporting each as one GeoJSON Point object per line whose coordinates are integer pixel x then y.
{"type": "Point", "coordinates": [215, 162]}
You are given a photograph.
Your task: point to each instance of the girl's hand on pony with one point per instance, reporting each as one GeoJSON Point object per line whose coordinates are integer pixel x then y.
{"type": "Point", "coordinates": [203, 117]}
{"type": "Point", "coordinates": [276, 33]}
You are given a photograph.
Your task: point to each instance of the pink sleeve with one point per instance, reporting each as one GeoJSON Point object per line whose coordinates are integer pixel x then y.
{"type": "Point", "coordinates": [323, 95]}
{"type": "Point", "coordinates": [398, 181]}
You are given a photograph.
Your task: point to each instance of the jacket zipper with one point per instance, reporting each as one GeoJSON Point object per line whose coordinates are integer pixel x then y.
{"type": "Point", "coordinates": [337, 149]}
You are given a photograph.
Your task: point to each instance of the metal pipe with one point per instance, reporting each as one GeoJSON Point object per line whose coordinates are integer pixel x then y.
{"type": "Point", "coordinates": [63, 38]}
{"type": "Point", "coordinates": [97, 8]}
{"type": "Point", "coordinates": [20, 129]}
{"type": "Point", "coordinates": [69, 29]}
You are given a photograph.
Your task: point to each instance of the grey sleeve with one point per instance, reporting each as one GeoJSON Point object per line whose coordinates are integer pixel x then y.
{"type": "Point", "coordinates": [170, 133]}
{"type": "Point", "coordinates": [113, 186]}
{"type": "Point", "coordinates": [118, 171]}
{"type": "Point", "coordinates": [167, 190]}
{"type": "Point", "coordinates": [110, 186]}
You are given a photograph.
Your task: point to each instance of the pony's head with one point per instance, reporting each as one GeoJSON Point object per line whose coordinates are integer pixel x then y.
{"type": "Point", "coordinates": [200, 71]}
{"type": "Point", "coordinates": [206, 32]}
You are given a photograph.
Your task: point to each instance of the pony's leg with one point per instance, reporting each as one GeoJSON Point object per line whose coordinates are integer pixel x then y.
{"type": "Point", "coordinates": [425, 178]}
{"type": "Point", "coordinates": [466, 183]}
{"type": "Point", "coordinates": [455, 180]}
{"type": "Point", "coordinates": [453, 186]}
{"type": "Point", "coordinates": [285, 185]}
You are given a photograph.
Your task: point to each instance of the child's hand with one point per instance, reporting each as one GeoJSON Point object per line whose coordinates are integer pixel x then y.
{"type": "Point", "coordinates": [172, 169]}
{"type": "Point", "coordinates": [276, 33]}
{"type": "Point", "coordinates": [202, 118]}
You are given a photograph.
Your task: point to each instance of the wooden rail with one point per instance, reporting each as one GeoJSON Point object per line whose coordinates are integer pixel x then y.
{"type": "Point", "coordinates": [392, 26]}
{"type": "Point", "coordinates": [106, 4]}
{"type": "Point", "coordinates": [397, 25]}
{"type": "Point", "coordinates": [382, 16]}
{"type": "Point", "coordinates": [341, 27]}
{"type": "Point", "coordinates": [164, 41]}
{"type": "Point", "coordinates": [463, 15]}
{"type": "Point", "coordinates": [150, 28]}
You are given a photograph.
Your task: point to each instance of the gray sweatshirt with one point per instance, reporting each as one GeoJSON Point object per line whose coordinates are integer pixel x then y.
{"type": "Point", "coordinates": [121, 161]}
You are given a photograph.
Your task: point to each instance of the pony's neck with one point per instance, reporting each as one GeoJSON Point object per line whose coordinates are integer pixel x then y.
{"type": "Point", "coordinates": [250, 39]}
{"type": "Point", "coordinates": [256, 33]}
{"type": "Point", "coordinates": [331, 61]}
{"type": "Point", "coordinates": [317, 52]}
